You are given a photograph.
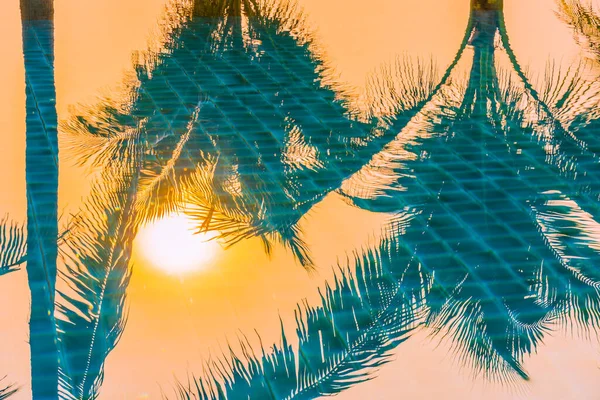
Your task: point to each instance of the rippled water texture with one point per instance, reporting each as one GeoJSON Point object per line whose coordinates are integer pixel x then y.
{"type": "Point", "coordinates": [272, 199]}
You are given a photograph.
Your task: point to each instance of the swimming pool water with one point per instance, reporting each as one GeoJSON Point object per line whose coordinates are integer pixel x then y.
{"type": "Point", "coordinates": [473, 191]}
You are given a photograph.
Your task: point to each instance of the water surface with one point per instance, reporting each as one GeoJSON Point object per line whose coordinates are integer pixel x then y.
{"type": "Point", "coordinates": [293, 200]}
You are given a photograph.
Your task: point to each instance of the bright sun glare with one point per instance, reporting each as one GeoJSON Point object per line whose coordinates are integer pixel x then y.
{"type": "Point", "coordinates": [171, 245]}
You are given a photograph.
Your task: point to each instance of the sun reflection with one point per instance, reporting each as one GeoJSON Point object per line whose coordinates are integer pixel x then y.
{"type": "Point", "coordinates": [171, 245]}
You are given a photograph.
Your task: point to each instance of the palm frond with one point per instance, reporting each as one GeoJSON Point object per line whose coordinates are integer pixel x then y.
{"type": "Point", "coordinates": [13, 246]}
{"type": "Point", "coordinates": [583, 18]}
{"type": "Point", "coordinates": [566, 121]}
{"type": "Point", "coordinates": [219, 206]}
{"type": "Point", "coordinates": [400, 86]}
{"type": "Point", "coordinates": [100, 134]}
{"type": "Point", "coordinates": [287, 91]}
{"type": "Point", "coordinates": [487, 336]}
{"type": "Point", "coordinates": [7, 391]}
{"type": "Point", "coordinates": [92, 309]}
{"type": "Point", "coordinates": [161, 187]}
{"type": "Point", "coordinates": [563, 127]}
{"type": "Point", "coordinates": [580, 93]}
{"type": "Point", "coordinates": [569, 96]}
{"type": "Point", "coordinates": [362, 317]}
{"type": "Point", "coordinates": [355, 337]}
{"type": "Point", "coordinates": [569, 232]}
{"type": "Point", "coordinates": [166, 164]}
{"type": "Point", "coordinates": [490, 325]}
{"type": "Point", "coordinates": [284, 16]}
{"type": "Point", "coordinates": [386, 183]}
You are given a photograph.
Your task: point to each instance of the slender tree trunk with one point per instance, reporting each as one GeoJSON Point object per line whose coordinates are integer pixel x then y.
{"type": "Point", "coordinates": [483, 82]}
{"type": "Point", "coordinates": [487, 4]}
{"type": "Point", "coordinates": [198, 8]}
{"type": "Point", "coordinates": [232, 7]}
{"type": "Point", "coordinates": [41, 171]}
{"type": "Point", "coordinates": [37, 10]}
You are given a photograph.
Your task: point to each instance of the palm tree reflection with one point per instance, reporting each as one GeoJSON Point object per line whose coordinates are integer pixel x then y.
{"type": "Point", "coordinates": [96, 256]}
{"type": "Point", "coordinates": [7, 391]}
{"type": "Point", "coordinates": [13, 253]}
{"type": "Point", "coordinates": [364, 315]}
{"type": "Point", "coordinates": [233, 119]}
{"type": "Point", "coordinates": [240, 123]}
{"type": "Point", "coordinates": [488, 151]}
{"type": "Point", "coordinates": [585, 22]}
{"type": "Point", "coordinates": [237, 119]}
{"type": "Point", "coordinates": [497, 185]}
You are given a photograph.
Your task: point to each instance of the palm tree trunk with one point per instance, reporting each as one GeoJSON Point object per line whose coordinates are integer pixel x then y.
{"type": "Point", "coordinates": [197, 11]}
{"type": "Point", "coordinates": [206, 8]}
{"type": "Point", "coordinates": [37, 10]}
{"type": "Point", "coordinates": [487, 4]}
{"type": "Point", "coordinates": [41, 171]}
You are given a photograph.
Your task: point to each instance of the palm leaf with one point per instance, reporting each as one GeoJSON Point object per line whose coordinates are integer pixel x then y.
{"type": "Point", "coordinates": [161, 190]}
{"type": "Point", "coordinates": [584, 95]}
{"type": "Point", "coordinates": [13, 246]}
{"type": "Point", "coordinates": [218, 206]}
{"type": "Point", "coordinates": [99, 134]}
{"type": "Point", "coordinates": [97, 272]}
{"type": "Point", "coordinates": [585, 22]}
{"type": "Point", "coordinates": [566, 126]}
{"type": "Point", "coordinates": [491, 325]}
{"type": "Point", "coordinates": [7, 391]}
{"type": "Point", "coordinates": [569, 232]}
{"type": "Point", "coordinates": [561, 114]}
{"type": "Point", "coordinates": [292, 105]}
{"type": "Point", "coordinates": [363, 316]}
{"type": "Point", "coordinates": [486, 334]}
{"type": "Point", "coordinates": [489, 311]}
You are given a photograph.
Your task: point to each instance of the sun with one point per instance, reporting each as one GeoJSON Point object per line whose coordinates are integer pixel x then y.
{"type": "Point", "coordinates": [171, 245]}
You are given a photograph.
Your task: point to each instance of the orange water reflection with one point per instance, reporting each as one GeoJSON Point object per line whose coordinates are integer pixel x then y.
{"type": "Point", "coordinates": [176, 322]}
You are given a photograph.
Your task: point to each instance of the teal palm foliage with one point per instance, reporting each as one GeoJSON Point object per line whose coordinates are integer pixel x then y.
{"type": "Point", "coordinates": [576, 286]}
{"type": "Point", "coordinates": [242, 123]}
{"type": "Point", "coordinates": [478, 164]}
{"type": "Point", "coordinates": [583, 18]}
{"type": "Point", "coordinates": [364, 314]}
{"type": "Point", "coordinates": [13, 246]}
{"type": "Point", "coordinates": [7, 391]}
{"type": "Point", "coordinates": [92, 308]}
{"type": "Point", "coordinates": [201, 121]}
{"type": "Point", "coordinates": [237, 121]}
{"type": "Point", "coordinates": [13, 252]}
{"type": "Point", "coordinates": [97, 269]}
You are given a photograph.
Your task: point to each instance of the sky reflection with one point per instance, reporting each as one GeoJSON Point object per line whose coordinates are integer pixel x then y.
{"type": "Point", "coordinates": [475, 200]}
